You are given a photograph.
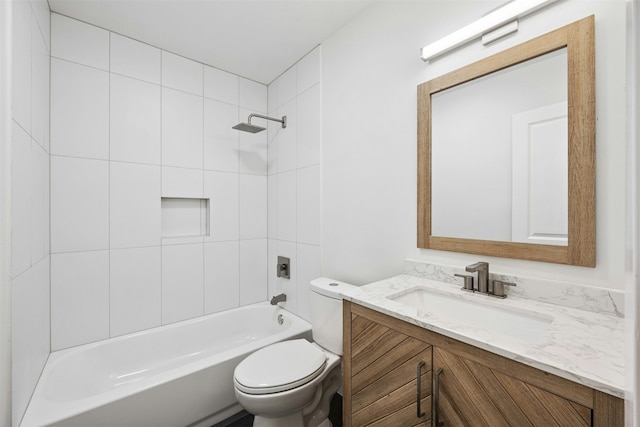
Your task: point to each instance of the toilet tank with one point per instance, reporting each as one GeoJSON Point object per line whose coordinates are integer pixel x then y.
{"type": "Point", "coordinates": [325, 300]}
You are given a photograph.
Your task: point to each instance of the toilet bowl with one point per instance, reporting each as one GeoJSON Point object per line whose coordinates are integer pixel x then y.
{"type": "Point", "coordinates": [285, 381]}
{"type": "Point", "coordinates": [291, 383]}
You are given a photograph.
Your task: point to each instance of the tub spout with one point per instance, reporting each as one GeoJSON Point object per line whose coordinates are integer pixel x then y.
{"type": "Point", "coordinates": [278, 298]}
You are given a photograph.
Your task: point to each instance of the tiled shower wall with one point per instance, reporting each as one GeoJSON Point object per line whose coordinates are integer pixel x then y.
{"type": "Point", "coordinates": [130, 124]}
{"type": "Point", "coordinates": [30, 255]}
{"type": "Point", "coordinates": [294, 180]}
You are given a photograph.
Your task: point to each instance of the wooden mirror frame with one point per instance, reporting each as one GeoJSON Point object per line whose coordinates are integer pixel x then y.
{"type": "Point", "coordinates": [579, 39]}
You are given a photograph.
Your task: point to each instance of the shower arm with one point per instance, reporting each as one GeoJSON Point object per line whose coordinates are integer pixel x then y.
{"type": "Point", "coordinates": [260, 116]}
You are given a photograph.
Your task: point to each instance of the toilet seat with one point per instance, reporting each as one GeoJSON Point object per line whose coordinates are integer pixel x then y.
{"type": "Point", "coordinates": [279, 367]}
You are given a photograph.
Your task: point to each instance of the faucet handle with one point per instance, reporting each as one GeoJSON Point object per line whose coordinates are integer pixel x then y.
{"type": "Point", "coordinates": [478, 266]}
{"type": "Point", "coordinates": [498, 288]}
{"type": "Point", "coordinates": [468, 282]}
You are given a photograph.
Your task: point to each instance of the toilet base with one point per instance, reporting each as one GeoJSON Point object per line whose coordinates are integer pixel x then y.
{"type": "Point", "coordinates": [293, 420]}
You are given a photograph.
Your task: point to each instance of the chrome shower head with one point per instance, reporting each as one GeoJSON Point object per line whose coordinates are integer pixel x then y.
{"type": "Point", "coordinates": [248, 127]}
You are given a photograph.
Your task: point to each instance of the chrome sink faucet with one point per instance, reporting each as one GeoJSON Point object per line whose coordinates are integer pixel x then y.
{"type": "Point", "coordinates": [482, 268]}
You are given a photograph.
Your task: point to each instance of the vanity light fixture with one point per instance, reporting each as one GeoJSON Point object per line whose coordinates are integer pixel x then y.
{"type": "Point", "coordinates": [507, 14]}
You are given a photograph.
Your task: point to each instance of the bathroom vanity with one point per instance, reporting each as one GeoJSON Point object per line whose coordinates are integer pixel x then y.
{"type": "Point", "coordinates": [419, 352]}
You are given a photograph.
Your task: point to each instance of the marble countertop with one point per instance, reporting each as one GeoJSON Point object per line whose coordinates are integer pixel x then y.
{"type": "Point", "coordinates": [581, 346]}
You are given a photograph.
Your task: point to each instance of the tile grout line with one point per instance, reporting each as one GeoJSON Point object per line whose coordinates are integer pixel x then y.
{"type": "Point", "coordinates": [109, 189]}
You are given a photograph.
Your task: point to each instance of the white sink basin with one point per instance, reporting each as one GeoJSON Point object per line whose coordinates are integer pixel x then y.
{"type": "Point", "coordinates": [520, 326]}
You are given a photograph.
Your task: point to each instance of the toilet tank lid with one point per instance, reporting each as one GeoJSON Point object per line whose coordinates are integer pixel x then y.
{"type": "Point", "coordinates": [333, 288]}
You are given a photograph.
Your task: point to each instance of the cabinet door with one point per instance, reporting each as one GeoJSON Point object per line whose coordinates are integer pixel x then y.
{"type": "Point", "coordinates": [468, 393]}
{"type": "Point", "coordinates": [386, 367]}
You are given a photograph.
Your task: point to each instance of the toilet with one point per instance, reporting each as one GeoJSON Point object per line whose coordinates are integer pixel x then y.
{"type": "Point", "coordinates": [291, 383]}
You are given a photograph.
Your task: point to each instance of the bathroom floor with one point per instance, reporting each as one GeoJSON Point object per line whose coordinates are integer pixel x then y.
{"type": "Point", "coordinates": [244, 419]}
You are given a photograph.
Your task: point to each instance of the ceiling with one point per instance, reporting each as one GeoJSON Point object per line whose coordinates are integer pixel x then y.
{"type": "Point", "coordinates": [256, 39]}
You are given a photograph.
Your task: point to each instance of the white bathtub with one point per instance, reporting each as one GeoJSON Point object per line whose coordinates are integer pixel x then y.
{"type": "Point", "coordinates": [176, 375]}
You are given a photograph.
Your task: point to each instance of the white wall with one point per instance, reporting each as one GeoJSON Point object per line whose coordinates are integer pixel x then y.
{"type": "Point", "coordinates": [5, 212]}
{"type": "Point", "coordinates": [632, 300]}
{"type": "Point", "coordinates": [370, 74]}
{"type": "Point", "coordinates": [30, 256]}
{"type": "Point", "coordinates": [132, 124]}
{"type": "Point", "coordinates": [295, 179]}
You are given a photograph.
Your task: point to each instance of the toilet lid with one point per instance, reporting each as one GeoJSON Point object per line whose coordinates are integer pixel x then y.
{"type": "Point", "coordinates": [279, 367]}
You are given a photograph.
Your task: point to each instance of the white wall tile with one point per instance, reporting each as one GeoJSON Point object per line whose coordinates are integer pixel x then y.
{"type": "Point", "coordinates": [22, 293]}
{"type": "Point", "coordinates": [21, 64]}
{"type": "Point", "coordinates": [272, 206]}
{"type": "Point", "coordinates": [252, 147]}
{"type": "Point", "coordinates": [252, 95]}
{"type": "Point", "coordinates": [181, 240]}
{"type": "Point", "coordinates": [182, 122]}
{"type": "Point", "coordinates": [273, 129]}
{"type": "Point", "coordinates": [30, 202]}
{"type": "Point", "coordinates": [135, 290]}
{"type": "Point", "coordinates": [134, 205]}
{"type": "Point", "coordinates": [289, 286]}
{"type": "Point", "coordinates": [220, 85]}
{"type": "Point", "coordinates": [39, 87]}
{"type": "Point", "coordinates": [221, 276]}
{"type": "Point", "coordinates": [43, 17]}
{"type": "Point", "coordinates": [39, 203]}
{"type": "Point", "coordinates": [79, 42]}
{"type": "Point", "coordinates": [79, 298]}
{"type": "Point", "coordinates": [30, 329]}
{"type": "Point", "coordinates": [308, 205]}
{"type": "Point", "coordinates": [182, 182]}
{"type": "Point", "coordinates": [287, 86]}
{"type": "Point", "coordinates": [253, 271]}
{"type": "Point", "coordinates": [220, 140]}
{"type": "Point", "coordinates": [182, 73]}
{"type": "Point", "coordinates": [30, 332]}
{"type": "Point", "coordinates": [222, 190]}
{"type": "Point", "coordinates": [79, 110]}
{"type": "Point", "coordinates": [79, 204]}
{"type": "Point", "coordinates": [272, 260]}
{"type": "Point", "coordinates": [40, 304]}
{"type": "Point", "coordinates": [287, 194]}
{"type": "Point", "coordinates": [272, 97]}
{"type": "Point", "coordinates": [308, 269]}
{"type": "Point", "coordinates": [308, 70]}
{"type": "Point", "coordinates": [253, 206]}
{"type": "Point", "coordinates": [132, 58]}
{"type": "Point", "coordinates": [134, 120]}
{"type": "Point", "coordinates": [287, 138]}
{"type": "Point", "coordinates": [182, 282]}
{"type": "Point", "coordinates": [309, 128]}
{"type": "Point", "coordinates": [21, 178]}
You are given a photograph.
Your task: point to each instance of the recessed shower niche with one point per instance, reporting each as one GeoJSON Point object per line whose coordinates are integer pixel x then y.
{"type": "Point", "coordinates": [184, 217]}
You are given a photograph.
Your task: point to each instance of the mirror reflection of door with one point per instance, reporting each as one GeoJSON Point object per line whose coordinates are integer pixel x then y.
{"type": "Point", "coordinates": [540, 185]}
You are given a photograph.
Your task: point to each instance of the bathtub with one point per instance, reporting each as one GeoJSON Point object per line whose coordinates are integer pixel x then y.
{"type": "Point", "coordinates": [175, 375]}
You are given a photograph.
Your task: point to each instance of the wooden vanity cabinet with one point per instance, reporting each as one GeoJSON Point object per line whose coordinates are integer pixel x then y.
{"type": "Point", "coordinates": [461, 384]}
{"type": "Point", "coordinates": [471, 393]}
{"type": "Point", "coordinates": [383, 368]}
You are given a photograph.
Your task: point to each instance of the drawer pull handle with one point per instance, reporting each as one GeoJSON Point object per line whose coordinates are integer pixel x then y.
{"type": "Point", "coordinates": [419, 412]}
{"type": "Point", "coordinates": [436, 398]}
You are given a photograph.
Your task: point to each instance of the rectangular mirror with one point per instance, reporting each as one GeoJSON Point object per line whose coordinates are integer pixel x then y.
{"type": "Point", "coordinates": [506, 152]}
